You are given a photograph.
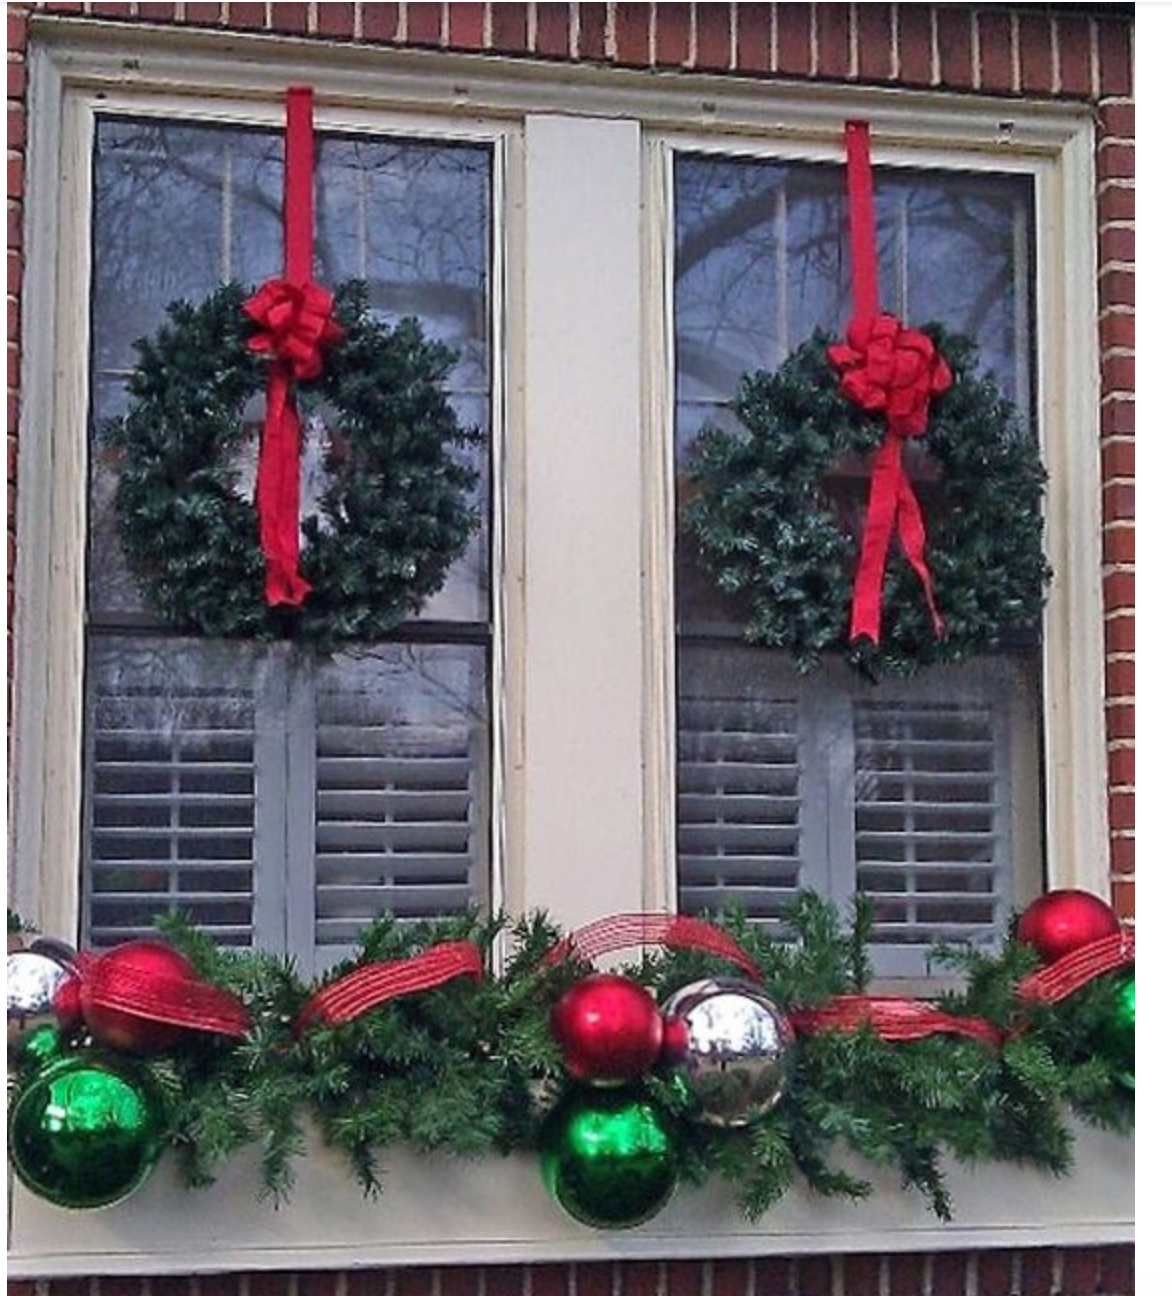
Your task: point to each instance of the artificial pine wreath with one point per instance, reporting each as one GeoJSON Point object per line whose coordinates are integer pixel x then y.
{"type": "Point", "coordinates": [768, 533]}
{"type": "Point", "coordinates": [393, 519]}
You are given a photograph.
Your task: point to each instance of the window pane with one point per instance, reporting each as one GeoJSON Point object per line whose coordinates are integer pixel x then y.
{"type": "Point", "coordinates": [925, 793]}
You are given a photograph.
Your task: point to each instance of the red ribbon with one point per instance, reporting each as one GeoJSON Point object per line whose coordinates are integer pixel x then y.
{"type": "Point", "coordinates": [296, 325]}
{"type": "Point", "coordinates": [1078, 968]}
{"type": "Point", "coordinates": [378, 983]}
{"type": "Point", "coordinates": [891, 1018]}
{"type": "Point", "coordinates": [160, 997]}
{"type": "Point", "coordinates": [676, 931]}
{"type": "Point", "coordinates": [893, 370]}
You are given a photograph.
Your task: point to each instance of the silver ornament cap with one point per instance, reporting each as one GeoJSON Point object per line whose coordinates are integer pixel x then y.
{"type": "Point", "coordinates": [730, 1045]}
{"type": "Point", "coordinates": [32, 979]}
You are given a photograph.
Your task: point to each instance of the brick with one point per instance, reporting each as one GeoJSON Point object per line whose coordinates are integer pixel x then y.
{"type": "Point", "coordinates": [915, 44]}
{"type": "Point", "coordinates": [1117, 119]}
{"type": "Point", "coordinates": [1117, 329]}
{"type": "Point", "coordinates": [510, 28]}
{"type": "Point", "coordinates": [1121, 808]}
{"type": "Point", "coordinates": [1116, 162]}
{"type": "Point", "coordinates": [995, 1273]}
{"type": "Point", "coordinates": [158, 12]}
{"type": "Point", "coordinates": [16, 176]}
{"type": "Point", "coordinates": [874, 42]}
{"type": "Point", "coordinates": [1114, 58]}
{"type": "Point", "coordinates": [1116, 202]}
{"type": "Point", "coordinates": [503, 1280]}
{"type": "Point", "coordinates": [632, 33]}
{"type": "Point", "coordinates": [1123, 902]}
{"type": "Point", "coordinates": [773, 1276]}
{"type": "Point", "coordinates": [1122, 854]}
{"type": "Point", "coordinates": [1035, 51]}
{"type": "Point", "coordinates": [954, 40]}
{"type": "Point", "coordinates": [861, 1274]}
{"type": "Point", "coordinates": [995, 51]}
{"type": "Point", "coordinates": [949, 1270]}
{"type": "Point", "coordinates": [794, 43]}
{"type": "Point", "coordinates": [1119, 502]}
{"type": "Point", "coordinates": [246, 15]}
{"type": "Point", "coordinates": [100, 9]}
{"type": "Point", "coordinates": [553, 29]}
{"type": "Point", "coordinates": [205, 15]}
{"type": "Point", "coordinates": [713, 37]}
{"type": "Point", "coordinates": [591, 30]}
{"type": "Point", "coordinates": [1119, 421]}
{"type": "Point", "coordinates": [833, 25]}
{"type": "Point", "coordinates": [595, 1279]}
{"type": "Point", "coordinates": [1121, 767]}
{"type": "Point", "coordinates": [1074, 56]}
{"type": "Point", "coordinates": [1121, 677]}
{"type": "Point", "coordinates": [545, 1280]}
{"type": "Point", "coordinates": [380, 22]}
{"type": "Point", "coordinates": [413, 1282]}
{"type": "Point", "coordinates": [905, 1275]}
{"type": "Point", "coordinates": [1117, 287]}
{"type": "Point", "coordinates": [1119, 373]}
{"type": "Point", "coordinates": [1037, 1272]}
{"type": "Point", "coordinates": [15, 225]}
{"type": "Point", "coordinates": [457, 1280]}
{"type": "Point", "coordinates": [269, 1283]}
{"type": "Point", "coordinates": [730, 1278]}
{"type": "Point", "coordinates": [17, 133]}
{"type": "Point", "coordinates": [317, 1283]}
{"type": "Point", "coordinates": [171, 1286]}
{"type": "Point", "coordinates": [640, 1278]}
{"type": "Point", "coordinates": [17, 33]}
{"type": "Point", "coordinates": [1117, 243]}
{"type": "Point", "coordinates": [466, 26]}
{"type": "Point", "coordinates": [424, 22]}
{"type": "Point", "coordinates": [1119, 544]}
{"type": "Point", "coordinates": [19, 1288]}
{"type": "Point", "coordinates": [1121, 725]}
{"type": "Point", "coordinates": [683, 1278]}
{"type": "Point", "coordinates": [17, 80]}
{"type": "Point", "coordinates": [336, 20]}
{"type": "Point", "coordinates": [815, 1276]}
{"type": "Point", "coordinates": [754, 37]}
{"type": "Point", "coordinates": [364, 1282]}
{"type": "Point", "coordinates": [673, 28]}
{"type": "Point", "coordinates": [1120, 634]}
{"type": "Point", "coordinates": [292, 18]}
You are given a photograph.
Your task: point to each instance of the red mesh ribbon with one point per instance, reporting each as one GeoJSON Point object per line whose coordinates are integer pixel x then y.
{"type": "Point", "coordinates": [892, 370]}
{"type": "Point", "coordinates": [159, 997]}
{"type": "Point", "coordinates": [296, 325]}
{"type": "Point", "coordinates": [378, 983]}
{"type": "Point", "coordinates": [891, 1018]}
{"type": "Point", "coordinates": [1080, 967]}
{"type": "Point", "coordinates": [675, 931]}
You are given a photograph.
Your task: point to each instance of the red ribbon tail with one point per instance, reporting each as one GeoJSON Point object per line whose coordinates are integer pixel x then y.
{"type": "Point", "coordinates": [194, 1005]}
{"type": "Point", "coordinates": [278, 496]}
{"type": "Point", "coordinates": [914, 539]}
{"type": "Point", "coordinates": [882, 505]}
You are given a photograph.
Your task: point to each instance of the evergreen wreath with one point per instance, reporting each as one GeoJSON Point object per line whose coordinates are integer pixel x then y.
{"type": "Point", "coordinates": [768, 535]}
{"type": "Point", "coordinates": [394, 518]}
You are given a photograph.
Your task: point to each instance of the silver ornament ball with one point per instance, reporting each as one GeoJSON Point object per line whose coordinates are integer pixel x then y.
{"type": "Point", "coordinates": [730, 1045]}
{"type": "Point", "coordinates": [32, 979]}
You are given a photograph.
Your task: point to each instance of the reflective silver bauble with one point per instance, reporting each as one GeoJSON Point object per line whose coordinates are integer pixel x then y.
{"type": "Point", "coordinates": [33, 977]}
{"type": "Point", "coordinates": [729, 1044]}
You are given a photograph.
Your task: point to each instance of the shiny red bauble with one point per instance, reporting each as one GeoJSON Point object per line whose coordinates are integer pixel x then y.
{"type": "Point", "coordinates": [67, 1005]}
{"type": "Point", "coordinates": [1061, 922]}
{"type": "Point", "coordinates": [609, 1029]}
{"type": "Point", "coordinates": [126, 1031]}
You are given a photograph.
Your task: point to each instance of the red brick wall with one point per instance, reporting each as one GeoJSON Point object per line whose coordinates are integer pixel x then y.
{"type": "Point", "coordinates": [1084, 55]}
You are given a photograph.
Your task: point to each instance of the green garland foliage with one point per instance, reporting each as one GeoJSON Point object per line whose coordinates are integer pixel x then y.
{"type": "Point", "coordinates": [768, 535]}
{"type": "Point", "coordinates": [471, 1069]}
{"type": "Point", "coordinates": [397, 513]}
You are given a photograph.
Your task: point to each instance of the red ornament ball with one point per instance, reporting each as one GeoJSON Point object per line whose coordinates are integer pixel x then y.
{"type": "Point", "coordinates": [1061, 922]}
{"type": "Point", "coordinates": [67, 1005]}
{"type": "Point", "coordinates": [123, 1030]}
{"type": "Point", "coordinates": [609, 1028]}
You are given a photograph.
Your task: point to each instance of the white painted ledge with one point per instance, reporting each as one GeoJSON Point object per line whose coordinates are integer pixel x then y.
{"type": "Point", "coordinates": [445, 1211]}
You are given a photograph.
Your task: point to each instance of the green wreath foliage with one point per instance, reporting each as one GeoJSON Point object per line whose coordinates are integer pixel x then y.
{"type": "Point", "coordinates": [395, 516]}
{"type": "Point", "coordinates": [471, 1068]}
{"type": "Point", "coordinates": [767, 533]}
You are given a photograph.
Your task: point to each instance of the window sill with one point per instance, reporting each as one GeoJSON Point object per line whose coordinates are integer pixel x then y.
{"type": "Point", "coordinates": [443, 1211]}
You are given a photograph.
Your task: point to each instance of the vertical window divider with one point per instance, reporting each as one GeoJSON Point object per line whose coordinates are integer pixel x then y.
{"type": "Point", "coordinates": [300, 808]}
{"type": "Point", "coordinates": [269, 832]}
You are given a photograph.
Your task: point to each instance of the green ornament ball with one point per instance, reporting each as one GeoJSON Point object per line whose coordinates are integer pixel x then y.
{"type": "Point", "coordinates": [608, 1159]}
{"type": "Point", "coordinates": [86, 1132]}
{"type": "Point", "coordinates": [37, 1050]}
{"type": "Point", "coordinates": [1120, 1030]}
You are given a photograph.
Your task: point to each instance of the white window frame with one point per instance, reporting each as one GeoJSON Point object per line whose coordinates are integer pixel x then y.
{"type": "Point", "coordinates": [583, 818]}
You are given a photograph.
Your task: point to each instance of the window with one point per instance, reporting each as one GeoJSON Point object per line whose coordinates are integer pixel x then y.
{"type": "Point", "coordinates": [924, 794]}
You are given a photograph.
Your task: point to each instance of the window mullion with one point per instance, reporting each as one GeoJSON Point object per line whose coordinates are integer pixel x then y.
{"type": "Point", "coordinates": [300, 810]}
{"type": "Point", "coordinates": [268, 789]}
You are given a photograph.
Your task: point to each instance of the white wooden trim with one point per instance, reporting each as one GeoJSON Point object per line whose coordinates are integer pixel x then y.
{"type": "Point", "coordinates": [441, 1210]}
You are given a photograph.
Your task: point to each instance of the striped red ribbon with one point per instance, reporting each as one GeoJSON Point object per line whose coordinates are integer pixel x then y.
{"type": "Point", "coordinates": [379, 983]}
{"type": "Point", "coordinates": [674, 931]}
{"type": "Point", "coordinates": [1079, 968]}
{"type": "Point", "coordinates": [891, 1018]}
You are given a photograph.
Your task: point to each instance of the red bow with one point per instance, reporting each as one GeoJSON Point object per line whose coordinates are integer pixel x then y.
{"type": "Point", "coordinates": [889, 369]}
{"type": "Point", "coordinates": [297, 324]}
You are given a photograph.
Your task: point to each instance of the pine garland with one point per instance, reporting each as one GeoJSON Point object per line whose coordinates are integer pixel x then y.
{"type": "Point", "coordinates": [768, 535]}
{"type": "Point", "coordinates": [471, 1069]}
{"type": "Point", "coordinates": [395, 517]}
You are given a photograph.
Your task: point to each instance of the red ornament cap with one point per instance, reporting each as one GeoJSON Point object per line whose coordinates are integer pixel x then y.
{"type": "Point", "coordinates": [1061, 922]}
{"type": "Point", "coordinates": [609, 1029]}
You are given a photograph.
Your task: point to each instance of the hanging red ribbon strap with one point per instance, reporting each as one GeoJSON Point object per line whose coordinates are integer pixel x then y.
{"type": "Point", "coordinates": [675, 931]}
{"type": "Point", "coordinates": [296, 324]}
{"type": "Point", "coordinates": [891, 1018]}
{"type": "Point", "coordinates": [378, 983]}
{"type": "Point", "coordinates": [1079, 968]}
{"type": "Point", "coordinates": [889, 369]}
{"type": "Point", "coordinates": [106, 981]}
